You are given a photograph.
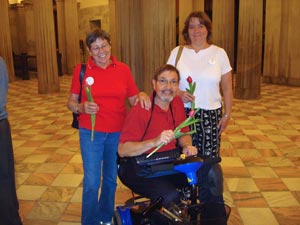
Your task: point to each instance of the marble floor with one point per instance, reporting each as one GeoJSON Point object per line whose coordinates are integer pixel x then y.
{"type": "Point", "coordinates": [260, 150]}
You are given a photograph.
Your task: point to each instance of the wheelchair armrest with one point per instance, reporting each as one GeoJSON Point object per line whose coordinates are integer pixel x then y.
{"type": "Point", "coordinates": [205, 161]}
{"type": "Point", "coordinates": [187, 160]}
{"type": "Point", "coordinates": [211, 161]}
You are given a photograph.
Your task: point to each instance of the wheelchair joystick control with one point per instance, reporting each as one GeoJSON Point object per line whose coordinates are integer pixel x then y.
{"type": "Point", "coordinates": [189, 167]}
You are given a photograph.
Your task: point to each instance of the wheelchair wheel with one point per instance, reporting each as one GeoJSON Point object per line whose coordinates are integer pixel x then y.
{"type": "Point", "coordinates": [214, 213]}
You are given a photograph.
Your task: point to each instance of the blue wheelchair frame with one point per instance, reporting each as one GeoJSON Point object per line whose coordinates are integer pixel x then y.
{"type": "Point", "coordinates": [189, 167]}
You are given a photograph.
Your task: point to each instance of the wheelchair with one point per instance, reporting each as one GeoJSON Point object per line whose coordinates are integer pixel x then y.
{"type": "Point", "coordinates": [138, 210]}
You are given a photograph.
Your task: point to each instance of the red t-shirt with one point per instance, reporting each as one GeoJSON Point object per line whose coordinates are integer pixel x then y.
{"type": "Point", "coordinates": [137, 119]}
{"type": "Point", "coordinates": [112, 86]}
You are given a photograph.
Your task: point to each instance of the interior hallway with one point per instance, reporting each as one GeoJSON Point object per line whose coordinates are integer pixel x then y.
{"type": "Point", "coordinates": [260, 149]}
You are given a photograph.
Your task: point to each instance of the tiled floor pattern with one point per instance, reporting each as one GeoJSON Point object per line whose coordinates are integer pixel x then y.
{"type": "Point", "coordinates": [260, 149]}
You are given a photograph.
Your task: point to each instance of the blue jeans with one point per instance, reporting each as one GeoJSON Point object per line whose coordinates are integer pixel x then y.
{"type": "Point", "coordinates": [99, 159]}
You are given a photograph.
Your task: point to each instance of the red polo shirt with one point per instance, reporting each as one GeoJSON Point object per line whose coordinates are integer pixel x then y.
{"type": "Point", "coordinates": [137, 119]}
{"type": "Point", "coordinates": [112, 86]}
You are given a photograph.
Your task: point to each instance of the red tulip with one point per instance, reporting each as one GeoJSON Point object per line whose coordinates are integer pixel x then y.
{"type": "Point", "coordinates": [192, 113]}
{"type": "Point", "coordinates": [191, 89]}
{"type": "Point", "coordinates": [189, 80]}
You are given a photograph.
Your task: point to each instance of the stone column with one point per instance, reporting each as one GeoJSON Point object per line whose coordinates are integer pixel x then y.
{"type": "Point", "coordinates": [223, 26]}
{"type": "Point", "coordinates": [48, 81]}
{"type": "Point", "coordinates": [198, 5]}
{"type": "Point", "coordinates": [17, 26]}
{"type": "Point", "coordinates": [248, 71]}
{"type": "Point", "coordinates": [159, 30]}
{"type": "Point", "coordinates": [127, 37]}
{"type": "Point", "coordinates": [115, 41]}
{"type": "Point", "coordinates": [185, 8]}
{"type": "Point", "coordinates": [30, 29]}
{"type": "Point", "coordinates": [60, 9]}
{"type": "Point", "coordinates": [282, 43]}
{"type": "Point", "coordinates": [146, 35]}
{"type": "Point", "coordinates": [5, 40]}
{"type": "Point", "coordinates": [72, 35]}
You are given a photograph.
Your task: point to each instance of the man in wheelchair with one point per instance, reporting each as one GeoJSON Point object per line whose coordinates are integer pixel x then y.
{"type": "Point", "coordinates": [143, 131]}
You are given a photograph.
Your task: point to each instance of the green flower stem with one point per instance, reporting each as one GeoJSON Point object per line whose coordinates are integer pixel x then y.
{"type": "Point", "coordinates": [192, 105]}
{"type": "Point", "coordinates": [191, 90]}
{"type": "Point", "coordinates": [156, 149]}
{"type": "Point", "coordinates": [177, 132]}
{"type": "Point", "coordinates": [93, 116]}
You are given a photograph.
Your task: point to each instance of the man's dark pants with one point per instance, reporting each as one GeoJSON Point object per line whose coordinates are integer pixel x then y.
{"type": "Point", "coordinates": [9, 205]}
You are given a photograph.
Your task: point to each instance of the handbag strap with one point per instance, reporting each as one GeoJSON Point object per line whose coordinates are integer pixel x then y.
{"type": "Point", "coordinates": [178, 55]}
{"type": "Point", "coordinates": [82, 72]}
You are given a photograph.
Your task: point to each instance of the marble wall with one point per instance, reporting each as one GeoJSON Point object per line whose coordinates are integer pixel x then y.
{"type": "Point", "coordinates": [88, 18]}
{"type": "Point", "coordinates": [22, 27]}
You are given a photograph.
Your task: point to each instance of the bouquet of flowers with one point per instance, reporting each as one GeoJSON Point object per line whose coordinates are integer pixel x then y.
{"type": "Point", "coordinates": [190, 120]}
{"type": "Point", "coordinates": [191, 89]}
{"type": "Point", "coordinates": [89, 81]}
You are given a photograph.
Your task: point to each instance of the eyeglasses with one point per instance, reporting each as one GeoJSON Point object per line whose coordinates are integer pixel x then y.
{"type": "Point", "coordinates": [97, 49]}
{"type": "Point", "coordinates": [164, 82]}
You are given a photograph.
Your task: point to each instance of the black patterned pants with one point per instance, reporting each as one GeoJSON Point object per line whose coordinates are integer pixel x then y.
{"type": "Point", "coordinates": [207, 139]}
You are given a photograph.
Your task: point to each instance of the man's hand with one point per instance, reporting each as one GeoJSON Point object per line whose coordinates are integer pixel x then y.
{"type": "Point", "coordinates": [165, 137]}
{"type": "Point", "coordinates": [189, 150]}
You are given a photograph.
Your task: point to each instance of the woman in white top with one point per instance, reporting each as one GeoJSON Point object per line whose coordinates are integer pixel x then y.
{"type": "Point", "coordinates": [209, 67]}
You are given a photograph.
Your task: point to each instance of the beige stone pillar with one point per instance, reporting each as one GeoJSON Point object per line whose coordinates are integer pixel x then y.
{"type": "Point", "coordinates": [48, 81]}
{"type": "Point", "coordinates": [30, 29]}
{"type": "Point", "coordinates": [248, 71]}
{"type": "Point", "coordinates": [158, 29]}
{"type": "Point", "coordinates": [146, 35]}
{"type": "Point", "coordinates": [115, 41]}
{"type": "Point", "coordinates": [282, 43]}
{"type": "Point", "coordinates": [72, 35]}
{"type": "Point", "coordinates": [17, 26]}
{"type": "Point", "coordinates": [60, 9]}
{"type": "Point", "coordinates": [185, 8]}
{"type": "Point", "coordinates": [198, 5]}
{"type": "Point", "coordinates": [223, 26]}
{"type": "Point", "coordinates": [5, 40]}
{"type": "Point", "coordinates": [128, 36]}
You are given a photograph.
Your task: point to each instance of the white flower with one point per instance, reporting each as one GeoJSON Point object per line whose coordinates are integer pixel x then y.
{"type": "Point", "coordinates": [89, 81]}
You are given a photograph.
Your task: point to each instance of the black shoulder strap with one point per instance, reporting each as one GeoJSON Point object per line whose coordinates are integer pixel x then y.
{"type": "Point", "coordinates": [148, 123]}
{"type": "Point", "coordinates": [82, 72]}
{"type": "Point", "coordinates": [178, 55]}
{"type": "Point", "coordinates": [152, 107]}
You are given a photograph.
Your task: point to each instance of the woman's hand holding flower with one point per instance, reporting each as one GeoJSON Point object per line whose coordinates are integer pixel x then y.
{"type": "Point", "coordinates": [186, 97]}
{"type": "Point", "coordinates": [90, 107]}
